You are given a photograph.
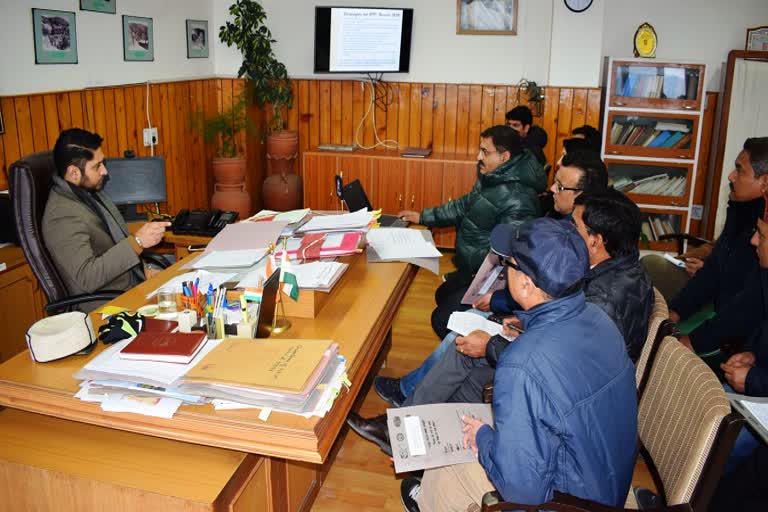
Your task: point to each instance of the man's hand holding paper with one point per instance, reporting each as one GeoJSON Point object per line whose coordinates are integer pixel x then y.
{"type": "Point", "coordinates": [473, 344]}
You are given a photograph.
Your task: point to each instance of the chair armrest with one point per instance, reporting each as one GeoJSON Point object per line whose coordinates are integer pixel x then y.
{"type": "Point", "coordinates": [155, 259]}
{"type": "Point", "coordinates": [565, 503]}
{"type": "Point", "coordinates": [61, 305]}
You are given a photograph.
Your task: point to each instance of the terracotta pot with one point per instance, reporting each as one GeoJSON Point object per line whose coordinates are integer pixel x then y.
{"type": "Point", "coordinates": [282, 192]}
{"type": "Point", "coordinates": [232, 197]}
{"type": "Point", "coordinates": [282, 150]}
{"type": "Point", "coordinates": [229, 170]}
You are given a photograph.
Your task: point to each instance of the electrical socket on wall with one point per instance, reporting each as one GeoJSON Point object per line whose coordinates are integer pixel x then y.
{"type": "Point", "coordinates": [150, 137]}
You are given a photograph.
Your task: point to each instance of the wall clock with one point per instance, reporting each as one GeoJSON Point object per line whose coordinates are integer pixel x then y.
{"type": "Point", "coordinates": [578, 5]}
{"type": "Point", "coordinates": [645, 41]}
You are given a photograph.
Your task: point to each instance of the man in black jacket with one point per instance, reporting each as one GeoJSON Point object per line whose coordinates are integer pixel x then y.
{"type": "Point", "coordinates": [534, 137]}
{"type": "Point", "coordinates": [729, 278]}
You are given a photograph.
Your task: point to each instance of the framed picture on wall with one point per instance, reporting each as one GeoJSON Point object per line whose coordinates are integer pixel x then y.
{"type": "Point", "coordinates": [757, 39]}
{"type": "Point", "coordinates": [486, 17]}
{"type": "Point", "coordinates": [138, 39]}
{"type": "Point", "coordinates": [55, 36]}
{"type": "Point", "coordinates": [197, 39]}
{"type": "Point", "coordinates": [107, 6]}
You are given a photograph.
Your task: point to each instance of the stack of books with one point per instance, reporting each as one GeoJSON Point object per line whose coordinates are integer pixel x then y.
{"type": "Point", "coordinates": [654, 226]}
{"type": "Point", "coordinates": [653, 82]}
{"type": "Point", "coordinates": [659, 185]}
{"type": "Point", "coordinates": [651, 135]}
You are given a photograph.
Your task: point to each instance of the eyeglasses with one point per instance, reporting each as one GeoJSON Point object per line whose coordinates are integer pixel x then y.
{"type": "Point", "coordinates": [485, 152]}
{"type": "Point", "coordinates": [559, 187]}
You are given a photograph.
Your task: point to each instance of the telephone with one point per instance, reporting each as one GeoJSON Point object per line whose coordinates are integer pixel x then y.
{"type": "Point", "coordinates": [202, 222]}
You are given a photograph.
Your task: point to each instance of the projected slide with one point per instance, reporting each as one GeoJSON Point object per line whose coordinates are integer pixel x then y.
{"type": "Point", "coordinates": [365, 39]}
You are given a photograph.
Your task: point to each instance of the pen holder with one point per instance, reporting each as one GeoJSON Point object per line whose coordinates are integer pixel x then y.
{"type": "Point", "coordinates": [246, 329]}
{"type": "Point", "coordinates": [196, 304]}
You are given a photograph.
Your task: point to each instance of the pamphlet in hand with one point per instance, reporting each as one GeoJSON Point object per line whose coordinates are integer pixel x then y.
{"type": "Point", "coordinates": [430, 436]}
{"type": "Point", "coordinates": [489, 278]}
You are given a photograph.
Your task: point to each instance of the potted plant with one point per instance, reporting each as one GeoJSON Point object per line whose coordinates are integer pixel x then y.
{"type": "Point", "coordinates": [267, 84]}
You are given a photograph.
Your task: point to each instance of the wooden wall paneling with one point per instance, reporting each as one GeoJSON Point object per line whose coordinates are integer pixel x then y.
{"type": "Point", "coordinates": [414, 128]}
{"type": "Point", "coordinates": [487, 107]}
{"type": "Point", "coordinates": [111, 134]}
{"type": "Point", "coordinates": [427, 113]}
{"type": "Point", "coordinates": [139, 105]}
{"type": "Point", "coordinates": [403, 114]}
{"type": "Point", "coordinates": [549, 123]}
{"type": "Point", "coordinates": [210, 107]}
{"type": "Point", "coordinates": [65, 112]}
{"type": "Point", "coordinates": [304, 116]}
{"type": "Point", "coordinates": [368, 129]}
{"type": "Point", "coordinates": [499, 105]}
{"type": "Point", "coordinates": [121, 122]}
{"type": "Point", "coordinates": [37, 111]}
{"type": "Point", "coordinates": [314, 113]}
{"type": "Point", "coordinates": [238, 89]}
{"type": "Point", "coordinates": [475, 116]}
{"type": "Point", "coordinates": [594, 106]}
{"type": "Point", "coordinates": [89, 110]}
{"type": "Point", "coordinates": [379, 124]}
{"type": "Point", "coordinates": [579, 108]}
{"type": "Point", "coordinates": [462, 118]}
{"type": "Point", "coordinates": [347, 120]}
{"type": "Point", "coordinates": [390, 134]}
{"type": "Point", "coordinates": [438, 118]}
{"type": "Point", "coordinates": [76, 109]}
{"type": "Point", "coordinates": [52, 125]}
{"type": "Point", "coordinates": [24, 125]}
{"type": "Point", "coordinates": [184, 172]}
{"type": "Point", "coordinates": [198, 149]}
{"type": "Point", "coordinates": [166, 146]}
{"type": "Point", "coordinates": [292, 118]}
{"type": "Point", "coordinates": [11, 137]}
{"type": "Point", "coordinates": [451, 118]}
{"type": "Point", "coordinates": [325, 112]}
{"type": "Point", "coordinates": [100, 121]}
{"type": "Point", "coordinates": [3, 172]}
{"type": "Point", "coordinates": [563, 119]}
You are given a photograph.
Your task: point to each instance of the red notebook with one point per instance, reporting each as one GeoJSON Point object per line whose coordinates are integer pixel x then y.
{"type": "Point", "coordinates": [164, 347]}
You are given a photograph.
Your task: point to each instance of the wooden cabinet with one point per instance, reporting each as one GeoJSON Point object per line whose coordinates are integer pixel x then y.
{"type": "Point", "coordinates": [392, 183]}
{"type": "Point", "coordinates": [22, 302]}
{"type": "Point", "coordinates": [652, 127]}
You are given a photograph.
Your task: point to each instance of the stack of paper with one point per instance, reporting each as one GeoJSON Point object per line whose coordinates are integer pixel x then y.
{"type": "Point", "coordinates": [229, 259]}
{"type": "Point", "coordinates": [360, 219]}
{"type": "Point", "coordinates": [322, 245]}
{"type": "Point", "coordinates": [400, 244]}
{"type": "Point", "coordinates": [320, 275]}
{"type": "Point", "coordinates": [294, 218]}
{"type": "Point", "coordinates": [464, 322]}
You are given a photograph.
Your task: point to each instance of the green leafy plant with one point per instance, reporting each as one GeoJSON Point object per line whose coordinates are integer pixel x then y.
{"type": "Point", "coordinates": [267, 78]}
{"type": "Point", "coordinates": [226, 125]}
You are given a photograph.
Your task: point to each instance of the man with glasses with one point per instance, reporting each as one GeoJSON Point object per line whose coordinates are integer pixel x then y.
{"type": "Point", "coordinates": [552, 432]}
{"type": "Point", "coordinates": [580, 171]}
{"type": "Point", "coordinates": [509, 180]}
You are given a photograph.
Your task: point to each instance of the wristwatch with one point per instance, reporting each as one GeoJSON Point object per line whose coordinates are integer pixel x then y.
{"type": "Point", "coordinates": [138, 241]}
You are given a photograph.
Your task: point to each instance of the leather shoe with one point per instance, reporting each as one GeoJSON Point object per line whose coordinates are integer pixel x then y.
{"type": "Point", "coordinates": [388, 390]}
{"type": "Point", "coordinates": [409, 490]}
{"type": "Point", "coordinates": [374, 430]}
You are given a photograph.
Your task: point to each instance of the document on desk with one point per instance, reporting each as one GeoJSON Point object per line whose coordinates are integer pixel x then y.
{"type": "Point", "coordinates": [430, 436]}
{"type": "Point", "coordinates": [342, 222]}
{"type": "Point", "coordinates": [229, 259]}
{"type": "Point", "coordinates": [464, 322]}
{"type": "Point", "coordinates": [489, 278]}
{"type": "Point", "coordinates": [246, 235]}
{"type": "Point", "coordinates": [401, 243]}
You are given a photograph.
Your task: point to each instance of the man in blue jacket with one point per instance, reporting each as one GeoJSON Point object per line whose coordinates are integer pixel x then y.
{"type": "Point", "coordinates": [565, 406]}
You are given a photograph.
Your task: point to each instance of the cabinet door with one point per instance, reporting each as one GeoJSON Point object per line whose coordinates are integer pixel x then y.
{"type": "Point", "coordinates": [21, 305]}
{"type": "Point", "coordinates": [652, 135]}
{"type": "Point", "coordinates": [389, 178]}
{"type": "Point", "coordinates": [422, 185]}
{"type": "Point", "coordinates": [319, 186]}
{"type": "Point", "coordinates": [657, 222]}
{"type": "Point", "coordinates": [458, 179]}
{"type": "Point", "coordinates": [651, 84]}
{"type": "Point", "coordinates": [353, 168]}
{"type": "Point", "coordinates": [651, 182]}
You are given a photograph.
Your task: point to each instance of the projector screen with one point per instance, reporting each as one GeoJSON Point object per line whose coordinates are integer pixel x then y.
{"type": "Point", "coordinates": [362, 40]}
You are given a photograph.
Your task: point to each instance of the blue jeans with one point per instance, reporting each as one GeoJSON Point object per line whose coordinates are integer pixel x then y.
{"type": "Point", "coordinates": [743, 447]}
{"type": "Point", "coordinates": [409, 382]}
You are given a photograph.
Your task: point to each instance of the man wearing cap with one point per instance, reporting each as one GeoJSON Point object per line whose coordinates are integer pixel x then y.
{"type": "Point", "coordinates": [565, 407]}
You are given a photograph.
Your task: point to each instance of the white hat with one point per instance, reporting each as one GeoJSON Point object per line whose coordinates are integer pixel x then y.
{"type": "Point", "coordinates": [60, 336]}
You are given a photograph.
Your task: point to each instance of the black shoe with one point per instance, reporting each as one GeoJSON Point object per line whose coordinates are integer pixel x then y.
{"type": "Point", "coordinates": [374, 430]}
{"type": "Point", "coordinates": [388, 390]}
{"type": "Point", "coordinates": [409, 489]}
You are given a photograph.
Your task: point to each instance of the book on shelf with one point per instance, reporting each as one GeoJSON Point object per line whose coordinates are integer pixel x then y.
{"type": "Point", "coordinates": [673, 139]}
{"type": "Point", "coordinates": [415, 152]}
{"type": "Point", "coordinates": [684, 142]}
{"type": "Point", "coordinates": [165, 347]}
{"type": "Point", "coordinates": [672, 127]}
{"type": "Point", "coordinates": [692, 84]}
{"type": "Point", "coordinates": [645, 227]}
{"type": "Point", "coordinates": [659, 140]}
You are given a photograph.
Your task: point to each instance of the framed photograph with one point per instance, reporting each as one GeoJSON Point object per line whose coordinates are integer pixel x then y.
{"type": "Point", "coordinates": [197, 39]}
{"type": "Point", "coordinates": [107, 6]}
{"type": "Point", "coordinates": [757, 39]}
{"type": "Point", "coordinates": [486, 17]}
{"type": "Point", "coordinates": [138, 39]}
{"type": "Point", "coordinates": [55, 36]}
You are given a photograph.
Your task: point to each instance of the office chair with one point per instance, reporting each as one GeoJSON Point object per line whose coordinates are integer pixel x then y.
{"type": "Point", "coordinates": [30, 180]}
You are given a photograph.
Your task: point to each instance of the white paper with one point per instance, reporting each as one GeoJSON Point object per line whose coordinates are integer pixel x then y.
{"type": "Point", "coordinates": [159, 407]}
{"type": "Point", "coordinates": [214, 279]}
{"type": "Point", "coordinates": [414, 436]}
{"type": "Point", "coordinates": [401, 243]}
{"type": "Point", "coordinates": [345, 221]}
{"type": "Point", "coordinates": [318, 274]}
{"type": "Point", "coordinates": [464, 322]}
{"type": "Point", "coordinates": [230, 259]}
{"type": "Point", "coordinates": [758, 410]}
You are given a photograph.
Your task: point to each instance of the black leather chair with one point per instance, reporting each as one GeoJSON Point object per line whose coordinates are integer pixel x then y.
{"type": "Point", "coordinates": [30, 181]}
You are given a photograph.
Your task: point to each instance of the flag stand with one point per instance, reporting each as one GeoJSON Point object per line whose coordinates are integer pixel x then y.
{"type": "Point", "coordinates": [281, 323]}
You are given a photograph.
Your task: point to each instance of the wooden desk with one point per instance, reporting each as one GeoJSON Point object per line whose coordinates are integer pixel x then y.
{"type": "Point", "coordinates": [358, 316]}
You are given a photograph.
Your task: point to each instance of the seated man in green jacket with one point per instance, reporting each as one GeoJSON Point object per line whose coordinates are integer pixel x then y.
{"type": "Point", "coordinates": [82, 228]}
{"type": "Point", "coordinates": [509, 181]}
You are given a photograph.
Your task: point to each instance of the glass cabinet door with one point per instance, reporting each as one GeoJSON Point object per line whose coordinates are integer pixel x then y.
{"type": "Point", "coordinates": [656, 85]}
{"type": "Point", "coordinates": [652, 135]}
{"type": "Point", "coordinates": [651, 182]}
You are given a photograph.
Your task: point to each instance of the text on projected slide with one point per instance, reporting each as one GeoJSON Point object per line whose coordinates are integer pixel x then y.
{"type": "Point", "coordinates": [366, 39]}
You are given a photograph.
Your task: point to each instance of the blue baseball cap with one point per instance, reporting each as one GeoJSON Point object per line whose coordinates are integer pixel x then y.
{"type": "Point", "coordinates": [551, 252]}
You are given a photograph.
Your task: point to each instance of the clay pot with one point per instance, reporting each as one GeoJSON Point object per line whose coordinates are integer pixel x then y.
{"type": "Point", "coordinates": [229, 170]}
{"type": "Point", "coordinates": [282, 150]}
{"type": "Point", "coordinates": [232, 197]}
{"type": "Point", "coordinates": [282, 192]}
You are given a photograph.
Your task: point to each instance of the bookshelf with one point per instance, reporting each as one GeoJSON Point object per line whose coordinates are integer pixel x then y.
{"type": "Point", "coordinates": [652, 135]}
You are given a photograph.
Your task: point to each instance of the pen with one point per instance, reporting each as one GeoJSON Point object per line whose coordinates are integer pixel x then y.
{"type": "Point", "coordinates": [197, 283]}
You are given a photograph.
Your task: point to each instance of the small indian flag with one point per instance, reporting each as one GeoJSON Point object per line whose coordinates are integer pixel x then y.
{"type": "Point", "coordinates": [288, 278]}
